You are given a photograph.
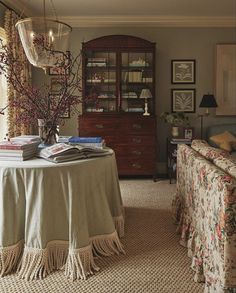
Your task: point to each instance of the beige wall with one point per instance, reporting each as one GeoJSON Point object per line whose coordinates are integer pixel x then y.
{"type": "Point", "coordinates": [171, 43]}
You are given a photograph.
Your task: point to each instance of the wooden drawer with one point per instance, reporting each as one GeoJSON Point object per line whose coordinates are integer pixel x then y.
{"type": "Point", "coordinates": [138, 126]}
{"type": "Point", "coordinates": [135, 167]}
{"type": "Point", "coordinates": [137, 153]}
{"type": "Point", "coordinates": [97, 127]}
{"type": "Point", "coordinates": [138, 140]}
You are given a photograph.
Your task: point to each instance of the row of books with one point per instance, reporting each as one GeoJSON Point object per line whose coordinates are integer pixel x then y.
{"type": "Point", "coordinates": [96, 61]}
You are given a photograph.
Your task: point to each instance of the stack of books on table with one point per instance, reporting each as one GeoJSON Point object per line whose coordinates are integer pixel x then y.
{"type": "Point", "coordinates": [62, 152]}
{"type": "Point", "coordinates": [95, 141]}
{"type": "Point", "coordinates": [19, 148]}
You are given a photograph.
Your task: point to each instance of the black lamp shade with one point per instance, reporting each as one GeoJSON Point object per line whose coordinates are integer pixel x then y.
{"type": "Point", "coordinates": [208, 101]}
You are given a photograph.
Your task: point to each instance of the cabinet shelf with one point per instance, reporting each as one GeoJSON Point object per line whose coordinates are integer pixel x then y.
{"type": "Point", "coordinates": [100, 68]}
{"type": "Point", "coordinates": [139, 68]}
{"type": "Point", "coordinates": [99, 83]}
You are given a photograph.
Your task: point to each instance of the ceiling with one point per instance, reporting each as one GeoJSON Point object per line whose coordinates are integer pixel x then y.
{"type": "Point", "coordinates": [159, 12]}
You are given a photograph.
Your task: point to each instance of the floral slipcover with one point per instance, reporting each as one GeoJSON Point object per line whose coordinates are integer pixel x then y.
{"type": "Point", "coordinates": [204, 208]}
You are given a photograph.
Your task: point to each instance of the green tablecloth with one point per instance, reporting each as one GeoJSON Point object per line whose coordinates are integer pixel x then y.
{"type": "Point", "coordinates": [55, 216]}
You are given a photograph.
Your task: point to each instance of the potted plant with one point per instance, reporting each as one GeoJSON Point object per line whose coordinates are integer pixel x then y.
{"type": "Point", "coordinates": [176, 120]}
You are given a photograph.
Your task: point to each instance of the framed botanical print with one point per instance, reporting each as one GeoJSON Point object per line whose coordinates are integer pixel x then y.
{"type": "Point", "coordinates": [183, 71]}
{"type": "Point", "coordinates": [183, 100]}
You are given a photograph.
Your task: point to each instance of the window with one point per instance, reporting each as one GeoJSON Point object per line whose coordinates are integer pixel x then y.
{"type": "Point", "coordinates": [3, 97]}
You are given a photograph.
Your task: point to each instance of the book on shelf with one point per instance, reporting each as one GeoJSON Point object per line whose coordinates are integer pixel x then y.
{"type": "Point", "coordinates": [62, 152]}
{"type": "Point", "coordinates": [98, 64]}
{"type": "Point", "coordinates": [135, 76]}
{"type": "Point", "coordinates": [97, 59]}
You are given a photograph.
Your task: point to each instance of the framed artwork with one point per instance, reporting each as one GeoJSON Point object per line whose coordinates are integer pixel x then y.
{"type": "Point", "coordinates": [60, 59]}
{"type": "Point", "coordinates": [183, 71]}
{"type": "Point", "coordinates": [183, 100]}
{"type": "Point", "coordinates": [66, 113]}
{"type": "Point", "coordinates": [225, 86]}
{"type": "Point", "coordinates": [55, 85]}
{"type": "Point", "coordinates": [188, 132]}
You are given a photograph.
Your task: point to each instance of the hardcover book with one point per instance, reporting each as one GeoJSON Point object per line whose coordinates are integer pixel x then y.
{"type": "Point", "coordinates": [20, 145]}
{"type": "Point", "coordinates": [78, 139]}
{"type": "Point", "coordinates": [62, 152]}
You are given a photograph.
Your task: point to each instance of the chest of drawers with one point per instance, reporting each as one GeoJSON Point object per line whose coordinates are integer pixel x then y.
{"type": "Point", "coordinates": [132, 137]}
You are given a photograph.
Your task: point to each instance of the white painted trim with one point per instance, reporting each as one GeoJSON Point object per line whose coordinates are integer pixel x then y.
{"type": "Point", "coordinates": [148, 21]}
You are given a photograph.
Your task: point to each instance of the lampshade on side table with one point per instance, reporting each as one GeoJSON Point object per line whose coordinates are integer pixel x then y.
{"type": "Point", "coordinates": [208, 101]}
{"type": "Point", "coordinates": [146, 94]}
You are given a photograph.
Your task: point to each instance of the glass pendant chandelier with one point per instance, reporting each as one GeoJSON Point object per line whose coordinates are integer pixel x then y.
{"type": "Point", "coordinates": [43, 38]}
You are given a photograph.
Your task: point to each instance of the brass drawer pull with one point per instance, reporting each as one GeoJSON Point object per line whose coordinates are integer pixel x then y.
{"type": "Point", "coordinates": [136, 166]}
{"type": "Point", "coordinates": [136, 126]}
{"type": "Point", "coordinates": [137, 153]}
{"type": "Point", "coordinates": [99, 126]}
{"type": "Point", "coordinates": [137, 140]}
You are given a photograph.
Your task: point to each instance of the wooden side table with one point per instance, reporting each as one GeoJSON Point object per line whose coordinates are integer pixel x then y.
{"type": "Point", "coordinates": [171, 147]}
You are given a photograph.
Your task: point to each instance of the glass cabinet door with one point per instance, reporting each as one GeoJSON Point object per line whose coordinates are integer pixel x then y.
{"type": "Point", "coordinates": [136, 75]}
{"type": "Point", "coordinates": [100, 82]}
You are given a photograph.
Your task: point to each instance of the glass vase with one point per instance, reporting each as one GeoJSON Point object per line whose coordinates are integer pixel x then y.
{"type": "Point", "coordinates": [48, 132]}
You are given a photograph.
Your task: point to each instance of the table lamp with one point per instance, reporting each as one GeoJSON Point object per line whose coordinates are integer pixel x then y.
{"type": "Point", "coordinates": [208, 101]}
{"type": "Point", "coordinates": [145, 94]}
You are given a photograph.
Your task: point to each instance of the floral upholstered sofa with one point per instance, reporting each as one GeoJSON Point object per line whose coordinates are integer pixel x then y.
{"type": "Point", "coordinates": [204, 207]}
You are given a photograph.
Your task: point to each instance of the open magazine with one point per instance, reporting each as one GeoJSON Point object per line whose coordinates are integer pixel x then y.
{"type": "Point", "coordinates": [62, 152]}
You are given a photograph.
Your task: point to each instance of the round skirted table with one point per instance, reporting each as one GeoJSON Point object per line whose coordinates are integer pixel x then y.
{"type": "Point", "coordinates": [59, 216]}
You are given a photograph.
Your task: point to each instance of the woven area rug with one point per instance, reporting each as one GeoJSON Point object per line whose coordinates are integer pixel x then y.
{"type": "Point", "coordinates": [154, 261]}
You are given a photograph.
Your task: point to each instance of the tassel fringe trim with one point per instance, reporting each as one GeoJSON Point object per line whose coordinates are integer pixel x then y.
{"type": "Point", "coordinates": [9, 258]}
{"type": "Point", "coordinates": [119, 225]}
{"type": "Point", "coordinates": [34, 263]}
{"type": "Point", "coordinates": [106, 245]}
{"type": "Point", "coordinates": [80, 263]}
{"type": "Point", "coordinates": [38, 263]}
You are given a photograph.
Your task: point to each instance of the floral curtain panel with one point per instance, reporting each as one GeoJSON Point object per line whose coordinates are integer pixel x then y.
{"type": "Point", "coordinates": [13, 41]}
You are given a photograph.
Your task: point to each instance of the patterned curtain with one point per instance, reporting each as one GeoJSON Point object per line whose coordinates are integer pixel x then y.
{"type": "Point", "coordinates": [13, 40]}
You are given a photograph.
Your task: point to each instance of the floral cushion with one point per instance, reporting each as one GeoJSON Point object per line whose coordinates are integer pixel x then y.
{"type": "Point", "coordinates": [226, 164]}
{"type": "Point", "coordinates": [207, 151]}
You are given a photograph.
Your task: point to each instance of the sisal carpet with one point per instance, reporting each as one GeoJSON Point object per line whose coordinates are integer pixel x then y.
{"type": "Point", "coordinates": [154, 261]}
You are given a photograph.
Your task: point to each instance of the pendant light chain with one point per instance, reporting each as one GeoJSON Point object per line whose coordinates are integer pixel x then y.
{"type": "Point", "coordinates": [54, 10]}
